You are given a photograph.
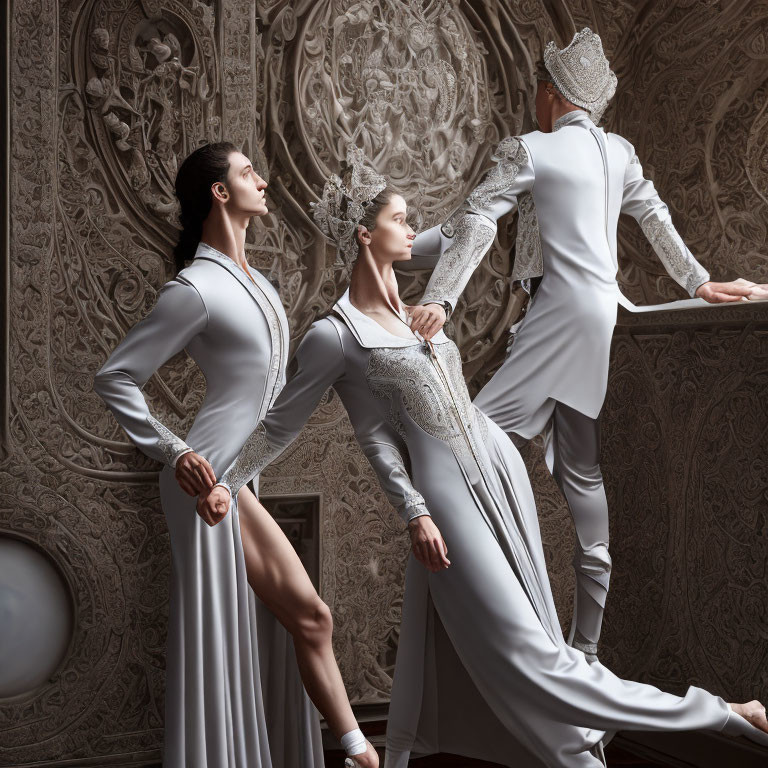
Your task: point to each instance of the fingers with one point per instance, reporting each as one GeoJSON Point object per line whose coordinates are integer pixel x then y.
{"type": "Point", "coordinates": [426, 320]}
{"type": "Point", "coordinates": [431, 328]}
{"type": "Point", "coordinates": [208, 471]}
{"type": "Point", "coordinates": [444, 553]}
{"type": "Point", "coordinates": [185, 484]}
{"type": "Point", "coordinates": [202, 510]}
{"type": "Point", "coordinates": [212, 511]}
{"type": "Point", "coordinates": [722, 298]}
{"type": "Point", "coordinates": [432, 554]}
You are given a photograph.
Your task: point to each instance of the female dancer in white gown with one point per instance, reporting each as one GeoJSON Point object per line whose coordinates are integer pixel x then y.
{"type": "Point", "coordinates": [482, 667]}
{"type": "Point", "coordinates": [234, 698]}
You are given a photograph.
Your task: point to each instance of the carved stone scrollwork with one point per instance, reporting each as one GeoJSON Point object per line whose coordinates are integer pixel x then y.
{"type": "Point", "coordinates": [105, 100]}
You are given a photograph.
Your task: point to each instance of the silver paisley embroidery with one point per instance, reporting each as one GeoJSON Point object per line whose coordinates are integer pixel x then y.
{"type": "Point", "coordinates": [529, 261]}
{"type": "Point", "coordinates": [406, 377]}
{"type": "Point", "coordinates": [256, 454]}
{"type": "Point", "coordinates": [473, 236]}
{"type": "Point", "coordinates": [672, 252]}
{"type": "Point", "coordinates": [511, 156]}
{"type": "Point", "coordinates": [167, 442]}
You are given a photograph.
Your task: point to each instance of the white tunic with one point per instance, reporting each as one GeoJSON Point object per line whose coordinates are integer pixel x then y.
{"type": "Point", "coordinates": [569, 187]}
{"type": "Point", "coordinates": [233, 695]}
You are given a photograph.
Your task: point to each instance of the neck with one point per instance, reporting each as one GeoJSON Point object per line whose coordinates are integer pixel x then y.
{"type": "Point", "coordinates": [226, 233]}
{"type": "Point", "coordinates": [373, 285]}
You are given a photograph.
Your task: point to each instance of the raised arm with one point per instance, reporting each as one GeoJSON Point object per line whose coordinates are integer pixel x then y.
{"type": "Point", "coordinates": [641, 201]}
{"type": "Point", "coordinates": [319, 362]}
{"type": "Point", "coordinates": [466, 237]}
{"type": "Point", "coordinates": [178, 315]}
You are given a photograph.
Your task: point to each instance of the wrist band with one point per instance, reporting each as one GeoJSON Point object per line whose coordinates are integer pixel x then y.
{"type": "Point", "coordinates": [354, 742]}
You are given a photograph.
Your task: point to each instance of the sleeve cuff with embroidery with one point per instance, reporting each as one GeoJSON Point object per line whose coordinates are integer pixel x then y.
{"type": "Point", "coordinates": [180, 454]}
{"type": "Point", "coordinates": [414, 506]}
{"type": "Point", "coordinates": [171, 446]}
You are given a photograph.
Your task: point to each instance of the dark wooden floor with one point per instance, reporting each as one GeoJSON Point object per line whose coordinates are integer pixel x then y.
{"type": "Point", "coordinates": [616, 758]}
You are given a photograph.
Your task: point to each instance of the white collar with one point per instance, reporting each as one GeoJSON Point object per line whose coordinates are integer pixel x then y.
{"type": "Point", "coordinates": [371, 334]}
{"type": "Point", "coordinates": [574, 116]}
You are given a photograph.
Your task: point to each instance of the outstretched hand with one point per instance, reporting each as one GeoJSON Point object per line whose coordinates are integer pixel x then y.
{"type": "Point", "coordinates": [194, 474]}
{"type": "Point", "coordinates": [428, 544]}
{"type": "Point", "coordinates": [734, 290]}
{"type": "Point", "coordinates": [214, 506]}
{"type": "Point", "coordinates": [426, 319]}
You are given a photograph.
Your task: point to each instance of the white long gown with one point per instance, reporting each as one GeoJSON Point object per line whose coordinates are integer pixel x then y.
{"type": "Point", "coordinates": [226, 705]}
{"type": "Point", "coordinates": [482, 668]}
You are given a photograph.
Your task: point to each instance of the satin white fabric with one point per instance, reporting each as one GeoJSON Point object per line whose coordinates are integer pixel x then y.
{"type": "Point", "coordinates": [581, 179]}
{"type": "Point", "coordinates": [482, 667]}
{"type": "Point", "coordinates": [234, 697]}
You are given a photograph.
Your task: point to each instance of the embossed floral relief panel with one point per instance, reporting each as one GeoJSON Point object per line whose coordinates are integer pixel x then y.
{"type": "Point", "coordinates": [106, 99]}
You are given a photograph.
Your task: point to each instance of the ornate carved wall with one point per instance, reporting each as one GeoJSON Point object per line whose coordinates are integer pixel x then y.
{"type": "Point", "coordinates": [107, 96]}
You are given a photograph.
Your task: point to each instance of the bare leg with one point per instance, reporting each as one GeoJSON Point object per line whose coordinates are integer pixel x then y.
{"type": "Point", "coordinates": [278, 578]}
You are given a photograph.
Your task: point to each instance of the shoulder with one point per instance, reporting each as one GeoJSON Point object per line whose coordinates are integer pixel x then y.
{"type": "Point", "coordinates": [182, 294]}
{"type": "Point", "coordinates": [511, 148]}
{"type": "Point", "coordinates": [204, 276]}
{"type": "Point", "coordinates": [324, 338]}
{"type": "Point", "coordinates": [622, 144]}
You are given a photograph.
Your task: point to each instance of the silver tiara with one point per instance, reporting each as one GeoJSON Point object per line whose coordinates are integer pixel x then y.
{"type": "Point", "coordinates": [581, 72]}
{"type": "Point", "coordinates": [343, 203]}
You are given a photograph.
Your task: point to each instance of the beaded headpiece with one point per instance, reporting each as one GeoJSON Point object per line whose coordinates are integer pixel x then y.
{"type": "Point", "coordinates": [343, 203]}
{"type": "Point", "coordinates": [581, 72]}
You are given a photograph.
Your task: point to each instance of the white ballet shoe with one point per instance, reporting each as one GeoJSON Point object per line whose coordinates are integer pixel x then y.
{"type": "Point", "coordinates": [736, 725]}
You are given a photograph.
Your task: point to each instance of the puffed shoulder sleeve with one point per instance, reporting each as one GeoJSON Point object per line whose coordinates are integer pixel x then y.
{"type": "Point", "coordinates": [319, 362]}
{"type": "Point", "coordinates": [385, 451]}
{"type": "Point", "coordinates": [462, 241]}
{"type": "Point", "coordinates": [178, 315]}
{"type": "Point", "coordinates": [641, 201]}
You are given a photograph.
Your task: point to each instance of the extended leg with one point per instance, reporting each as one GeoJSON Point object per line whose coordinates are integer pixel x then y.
{"type": "Point", "coordinates": [576, 444]}
{"type": "Point", "coordinates": [278, 578]}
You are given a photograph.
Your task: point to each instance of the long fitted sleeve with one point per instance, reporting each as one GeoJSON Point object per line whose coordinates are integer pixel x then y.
{"type": "Point", "coordinates": [178, 315]}
{"type": "Point", "coordinates": [467, 236]}
{"type": "Point", "coordinates": [320, 364]}
{"type": "Point", "coordinates": [641, 201]}
{"type": "Point", "coordinates": [384, 450]}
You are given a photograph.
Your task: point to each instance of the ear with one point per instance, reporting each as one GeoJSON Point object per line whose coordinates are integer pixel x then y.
{"type": "Point", "coordinates": [219, 192]}
{"type": "Point", "coordinates": [363, 234]}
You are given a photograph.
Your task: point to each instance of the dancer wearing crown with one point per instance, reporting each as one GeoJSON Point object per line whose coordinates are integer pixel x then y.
{"type": "Point", "coordinates": [482, 667]}
{"type": "Point", "coordinates": [569, 180]}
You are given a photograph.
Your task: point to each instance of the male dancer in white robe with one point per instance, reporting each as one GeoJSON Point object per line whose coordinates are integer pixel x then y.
{"type": "Point", "coordinates": [569, 181]}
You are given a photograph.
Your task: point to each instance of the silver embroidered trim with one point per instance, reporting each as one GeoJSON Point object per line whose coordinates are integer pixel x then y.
{"type": "Point", "coordinates": [567, 119]}
{"type": "Point", "coordinates": [581, 72]}
{"type": "Point", "coordinates": [474, 235]}
{"type": "Point", "coordinates": [257, 453]}
{"type": "Point", "coordinates": [510, 156]}
{"type": "Point", "coordinates": [407, 378]}
{"type": "Point", "coordinates": [672, 252]}
{"type": "Point", "coordinates": [169, 444]}
{"type": "Point", "coordinates": [482, 425]}
{"type": "Point", "coordinates": [529, 261]}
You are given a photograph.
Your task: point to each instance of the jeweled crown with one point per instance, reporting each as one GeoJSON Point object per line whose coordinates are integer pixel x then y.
{"type": "Point", "coordinates": [343, 203]}
{"type": "Point", "coordinates": [581, 72]}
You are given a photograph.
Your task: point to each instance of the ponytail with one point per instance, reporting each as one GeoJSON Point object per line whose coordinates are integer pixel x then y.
{"type": "Point", "coordinates": [194, 179]}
